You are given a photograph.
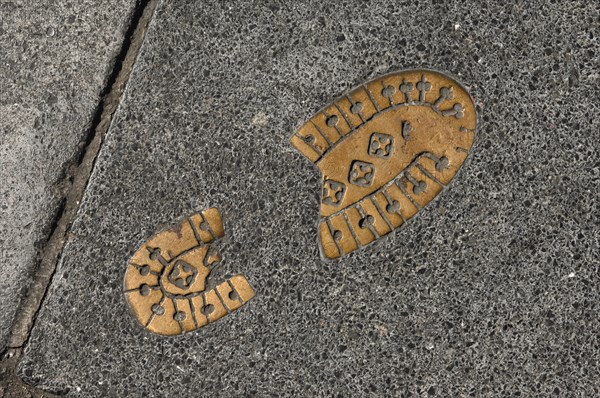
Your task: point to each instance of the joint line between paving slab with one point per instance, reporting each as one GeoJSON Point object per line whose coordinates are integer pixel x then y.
{"type": "Point", "coordinates": [111, 97]}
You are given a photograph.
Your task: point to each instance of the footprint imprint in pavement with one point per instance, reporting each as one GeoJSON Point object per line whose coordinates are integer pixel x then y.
{"type": "Point", "coordinates": [166, 279]}
{"type": "Point", "coordinates": [385, 151]}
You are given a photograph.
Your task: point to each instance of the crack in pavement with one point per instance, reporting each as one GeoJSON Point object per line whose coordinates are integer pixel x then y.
{"type": "Point", "coordinates": [10, 384]}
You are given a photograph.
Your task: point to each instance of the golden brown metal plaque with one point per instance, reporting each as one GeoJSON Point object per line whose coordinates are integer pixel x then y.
{"type": "Point", "coordinates": [165, 282]}
{"type": "Point", "coordinates": [385, 151]}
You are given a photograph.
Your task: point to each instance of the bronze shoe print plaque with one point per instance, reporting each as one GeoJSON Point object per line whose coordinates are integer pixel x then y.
{"type": "Point", "coordinates": [385, 150]}
{"type": "Point", "coordinates": [165, 281]}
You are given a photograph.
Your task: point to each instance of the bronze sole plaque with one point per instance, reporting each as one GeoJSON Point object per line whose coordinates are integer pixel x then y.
{"type": "Point", "coordinates": [385, 150]}
{"type": "Point", "coordinates": [165, 281]}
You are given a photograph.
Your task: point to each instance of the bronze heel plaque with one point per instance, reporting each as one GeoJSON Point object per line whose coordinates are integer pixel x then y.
{"type": "Point", "coordinates": [165, 281]}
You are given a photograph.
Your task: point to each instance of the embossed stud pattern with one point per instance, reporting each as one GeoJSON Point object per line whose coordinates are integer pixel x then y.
{"type": "Point", "coordinates": [385, 150]}
{"type": "Point", "coordinates": [165, 282]}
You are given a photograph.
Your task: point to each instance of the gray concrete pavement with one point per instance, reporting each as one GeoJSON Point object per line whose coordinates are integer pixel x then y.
{"type": "Point", "coordinates": [55, 61]}
{"type": "Point", "coordinates": [491, 290]}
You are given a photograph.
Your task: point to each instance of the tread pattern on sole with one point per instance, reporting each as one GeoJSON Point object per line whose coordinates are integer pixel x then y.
{"type": "Point", "coordinates": [385, 150]}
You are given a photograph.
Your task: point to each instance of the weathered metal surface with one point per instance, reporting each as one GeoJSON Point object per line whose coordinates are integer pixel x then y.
{"type": "Point", "coordinates": [386, 150]}
{"type": "Point", "coordinates": [165, 282]}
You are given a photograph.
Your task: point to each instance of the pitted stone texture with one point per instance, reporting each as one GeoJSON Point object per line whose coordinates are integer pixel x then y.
{"type": "Point", "coordinates": [54, 63]}
{"type": "Point", "coordinates": [492, 290]}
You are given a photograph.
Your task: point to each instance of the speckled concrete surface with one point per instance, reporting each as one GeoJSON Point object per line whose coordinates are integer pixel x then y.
{"type": "Point", "coordinates": [492, 290]}
{"type": "Point", "coordinates": [54, 63]}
